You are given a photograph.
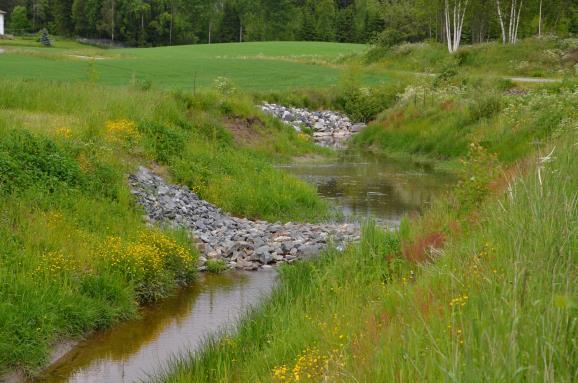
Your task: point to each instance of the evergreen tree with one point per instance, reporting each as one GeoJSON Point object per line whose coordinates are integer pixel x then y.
{"type": "Point", "coordinates": [325, 14]}
{"type": "Point", "coordinates": [308, 29]}
{"type": "Point", "coordinates": [345, 25]}
{"type": "Point", "coordinates": [230, 24]}
{"type": "Point", "coordinates": [45, 38]}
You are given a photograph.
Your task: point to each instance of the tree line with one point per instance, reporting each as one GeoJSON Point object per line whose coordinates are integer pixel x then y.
{"type": "Point", "coordinates": [386, 22]}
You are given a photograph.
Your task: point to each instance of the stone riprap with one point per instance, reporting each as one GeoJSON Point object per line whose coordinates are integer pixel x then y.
{"type": "Point", "coordinates": [330, 129]}
{"type": "Point", "coordinates": [241, 243]}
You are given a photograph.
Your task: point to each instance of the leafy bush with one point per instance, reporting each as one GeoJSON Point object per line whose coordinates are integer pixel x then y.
{"type": "Point", "coordinates": [154, 263]}
{"type": "Point", "coordinates": [224, 85]}
{"type": "Point", "coordinates": [485, 106]}
{"type": "Point", "coordinates": [27, 160]}
{"type": "Point", "coordinates": [479, 169]}
{"type": "Point", "coordinates": [162, 140]}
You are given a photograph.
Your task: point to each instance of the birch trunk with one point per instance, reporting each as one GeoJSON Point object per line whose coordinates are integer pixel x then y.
{"type": "Point", "coordinates": [511, 35]}
{"type": "Point", "coordinates": [540, 21]}
{"type": "Point", "coordinates": [517, 22]}
{"type": "Point", "coordinates": [454, 30]}
{"type": "Point", "coordinates": [501, 19]}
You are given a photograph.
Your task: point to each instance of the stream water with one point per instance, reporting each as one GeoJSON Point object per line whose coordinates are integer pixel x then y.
{"type": "Point", "coordinates": [364, 185]}
{"type": "Point", "coordinates": [359, 186]}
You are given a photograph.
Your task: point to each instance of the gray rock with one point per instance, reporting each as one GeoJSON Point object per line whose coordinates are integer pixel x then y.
{"type": "Point", "coordinates": [242, 243]}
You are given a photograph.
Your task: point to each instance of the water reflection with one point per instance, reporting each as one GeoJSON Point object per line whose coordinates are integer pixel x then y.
{"type": "Point", "coordinates": [365, 185]}
{"type": "Point", "coordinates": [136, 349]}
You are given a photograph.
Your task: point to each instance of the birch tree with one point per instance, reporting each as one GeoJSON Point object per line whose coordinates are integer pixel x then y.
{"type": "Point", "coordinates": [454, 23]}
{"type": "Point", "coordinates": [511, 34]}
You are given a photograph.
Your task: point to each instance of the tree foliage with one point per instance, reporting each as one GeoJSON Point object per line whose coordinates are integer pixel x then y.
{"type": "Point", "coordinates": [387, 22]}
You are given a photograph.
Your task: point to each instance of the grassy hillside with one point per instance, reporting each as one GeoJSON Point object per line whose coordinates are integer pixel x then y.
{"type": "Point", "coordinates": [496, 303]}
{"type": "Point", "coordinates": [438, 119]}
{"type": "Point", "coordinates": [483, 287]}
{"type": "Point", "coordinates": [534, 57]}
{"type": "Point", "coordinates": [252, 66]}
{"type": "Point", "coordinates": [75, 254]}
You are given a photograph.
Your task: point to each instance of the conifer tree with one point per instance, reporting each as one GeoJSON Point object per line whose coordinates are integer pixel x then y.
{"type": "Point", "coordinates": [45, 38]}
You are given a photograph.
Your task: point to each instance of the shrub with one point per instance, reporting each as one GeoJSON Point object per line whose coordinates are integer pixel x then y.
{"type": "Point", "coordinates": [485, 106]}
{"type": "Point", "coordinates": [447, 74]}
{"type": "Point", "coordinates": [154, 263]}
{"type": "Point", "coordinates": [478, 170]}
{"type": "Point", "coordinates": [27, 160]}
{"type": "Point", "coordinates": [162, 140]}
{"type": "Point", "coordinates": [224, 85]}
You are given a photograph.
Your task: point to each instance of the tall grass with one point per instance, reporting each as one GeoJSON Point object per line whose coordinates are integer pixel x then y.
{"type": "Point", "coordinates": [497, 304]}
{"type": "Point", "coordinates": [533, 57]}
{"type": "Point", "coordinates": [75, 254]}
{"type": "Point", "coordinates": [440, 121]}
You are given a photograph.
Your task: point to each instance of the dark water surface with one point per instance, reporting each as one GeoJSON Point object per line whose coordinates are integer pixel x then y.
{"type": "Point", "coordinates": [136, 349]}
{"type": "Point", "coordinates": [362, 185]}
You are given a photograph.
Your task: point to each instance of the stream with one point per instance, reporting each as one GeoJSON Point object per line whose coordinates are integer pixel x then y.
{"type": "Point", "coordinates": [362, 186]}
{"type": "Point", "coordinates": [357, 185]}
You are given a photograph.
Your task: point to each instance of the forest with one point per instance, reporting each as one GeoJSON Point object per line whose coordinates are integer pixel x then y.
{"type": "Point", "coordinates": [386, 22]}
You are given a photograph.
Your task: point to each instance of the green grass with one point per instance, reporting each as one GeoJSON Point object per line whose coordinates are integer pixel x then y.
{"type": "Point", "coordinates": [252, 66]}
{"type": "Point", "coordinates": [439, 121]}
{"type": "Point", "coordinates": [499, 302]}
{"type": "Point", "coordinates": [75, 254]}
{"type": "Point", "coordinates": [532, 57]}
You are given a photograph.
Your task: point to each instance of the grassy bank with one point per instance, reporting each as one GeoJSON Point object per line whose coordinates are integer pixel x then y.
{"type": "Point", "coordinates": [492, 298]}
{"type": "Point", "coordinates": [482, 287]}
{"type": "Point", "coordinates": [75, 255]}
{"type": "Point", "coordinates": [533, 57]}
{"type": "Point", "coordinates": [439, 118]}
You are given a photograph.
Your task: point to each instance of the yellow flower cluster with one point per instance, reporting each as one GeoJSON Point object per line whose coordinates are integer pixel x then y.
{"type": "Point", "coordinates": [167, 246]}
{"type": "Point", "coordinates": [64, 132]}
{"type": "Point", "coordinates": [147, 257]}
{"type": "Point", "coordinates": [311, 365]}
{"type": "Point", "coordinates": [121, 131]}
{"type": "Point", "coordinates": [459, 301]}
{"type": "Point", "coordinates": [53, 217]}
{"type": "Point", "coordinates": [55, 262]}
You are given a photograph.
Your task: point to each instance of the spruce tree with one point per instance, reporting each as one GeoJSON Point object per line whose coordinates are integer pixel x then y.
{"type": "Point", "coordinates": [45, 38]}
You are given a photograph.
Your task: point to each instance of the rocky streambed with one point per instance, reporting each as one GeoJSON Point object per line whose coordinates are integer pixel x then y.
{"type": "Point", "coordinates": [241, 243]}
{"type": "Point", "coordinates": [330, 129]}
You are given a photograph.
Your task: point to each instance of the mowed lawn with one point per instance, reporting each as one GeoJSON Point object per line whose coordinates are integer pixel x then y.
{"type": "Point", "coordinates": [261, 66]}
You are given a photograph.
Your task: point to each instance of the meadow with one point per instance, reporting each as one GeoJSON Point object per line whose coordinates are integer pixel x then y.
{"type": "Point", "coordinates": [251, 66]}
{"type": "Point", "coordinates": [548, 56]}
{"type": "Point", "coordinates": [482, 284]}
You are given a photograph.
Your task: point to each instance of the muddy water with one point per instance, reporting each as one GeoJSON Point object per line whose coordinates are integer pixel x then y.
{"type": "Point", "coordinates": [134, 350]}
{"type": "Point", "coordinates": [362, 185]}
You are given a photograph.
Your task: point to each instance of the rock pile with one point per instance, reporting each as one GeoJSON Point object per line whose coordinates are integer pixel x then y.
{"type": "Point", "coordinates": [241, 243]}
{"type": "Point", "coordinates": [330, 129]}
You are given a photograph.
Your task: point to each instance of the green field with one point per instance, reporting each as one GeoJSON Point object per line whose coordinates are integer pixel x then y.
{"type": "Point", "coordinates": [252, 66]}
